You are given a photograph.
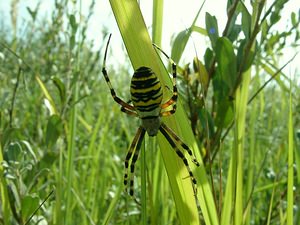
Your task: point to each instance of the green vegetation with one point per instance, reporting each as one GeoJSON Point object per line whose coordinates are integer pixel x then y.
{"type": "Point", "coordinates": [63, 138]}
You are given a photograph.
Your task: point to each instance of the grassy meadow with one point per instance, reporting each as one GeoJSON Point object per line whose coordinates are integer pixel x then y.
{"type": "Point", "coordinates": [63, 139]}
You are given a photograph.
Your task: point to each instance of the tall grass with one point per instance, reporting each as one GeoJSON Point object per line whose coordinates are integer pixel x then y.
{"type": "Point", "coordinates": [63, 136]}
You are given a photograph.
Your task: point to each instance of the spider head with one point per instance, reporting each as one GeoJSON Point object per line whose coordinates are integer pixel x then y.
{"type": "Point", "coordinates": [151, 125]}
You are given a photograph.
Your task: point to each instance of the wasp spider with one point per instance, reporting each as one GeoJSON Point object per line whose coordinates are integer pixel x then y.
{"type": "Point", "coordinates": [146, 96]}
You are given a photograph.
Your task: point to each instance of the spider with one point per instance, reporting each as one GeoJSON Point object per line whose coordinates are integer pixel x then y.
{"type": "Point", "coordinates": [146, 98]}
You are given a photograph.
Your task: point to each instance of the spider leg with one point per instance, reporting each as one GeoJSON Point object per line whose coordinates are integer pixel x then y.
{"type": "Point", "coordinates": [169, 112]}
{"type": "Point", "coordinates": [129, 112]}
{"type": "Point", "coordinates": [129, 109]}
{"type": "Point", "coordinates": [133, 150]}
{"type": "Point", "coordinates": [181, 155]}
{"type": "Point", "coordinates": [174, 97]}
{"type": "Point", "coordinates": [181, 143]}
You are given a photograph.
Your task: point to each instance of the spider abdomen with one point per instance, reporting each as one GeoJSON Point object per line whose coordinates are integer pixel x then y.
{"type": "Point", "coordinates": [146, 93]}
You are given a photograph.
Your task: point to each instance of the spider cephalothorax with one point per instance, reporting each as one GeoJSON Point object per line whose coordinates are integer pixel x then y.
{"type": "Point", "coordinates": [146, 97]}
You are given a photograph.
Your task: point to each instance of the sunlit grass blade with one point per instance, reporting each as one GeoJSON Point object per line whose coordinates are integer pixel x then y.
{"type": "Point", "coordinates": [51, 106]}
{"type": "Point", "coordinates": [234, 187]}
{"type": "Point", "coordinates": [241, 110]}
{"type": "Point", "coordinates": [157, 21]}
{"type": "Point", "coordinates": [290, 183]}
{"type": "Point", "coordinates": [228, 197]}
{"type": "Point", "coordinates": [250, 171]}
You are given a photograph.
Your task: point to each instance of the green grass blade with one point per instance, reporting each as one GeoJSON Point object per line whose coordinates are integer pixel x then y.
{"type": "Point", "coordinates": [235, 179]}
{"type": "Point", "coordinates": [3, 192]}
{"type": "Point", "coordinates": [51, 105]}
{"type": "Point", "coordinates": [157, 21]}
{"type": "Point", "coordinates": [70, 159]}
{"type": "Point", "coordinates": [290, 183]}
{"type": "Point", "coordinates": [112, 205]}
{"type": "Point", "coordinates": [271, 206]}
{"type": "Point", "coordinates": [241, 109]}
{"type": "Point", "coordinates": [143, 185]}
{"type": "Point", "coordinates": [249, 173]}
{"type": "Point", "coordinates": [228, 197]}
{"type": "Point", "coordinates": [141, 53]}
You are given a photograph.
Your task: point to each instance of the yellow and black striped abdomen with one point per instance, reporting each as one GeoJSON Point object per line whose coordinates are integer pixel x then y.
{"type": "Point", "coordinates": [146, 93]}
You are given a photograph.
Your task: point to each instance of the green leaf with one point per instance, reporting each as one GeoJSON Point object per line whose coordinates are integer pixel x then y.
{"type": "Point", "coordinates": [179, 45]}
{"type": "Point", "coordinates": [227, 62]}
{"type": "Point", "coordinates": [54, 129]}
{"type": "Point", "coordinates": [200, 30]}
{"type": "Point", "coordinates": [61, 88]}
{"type": "Point", "coordinates": [47, 160]}
{"type": "Point", "coordinates": [224, 109]}
{"type": "Point", "coordinates": [293, 19]}
{"type": "Point", "coordinates": [234, 32]}
{"type": "Point", "coordinates": [246, 20]}
{"type": "Point", "coordinates": [221, 89]}
{"type": "Point", "coordinates": [51, 106]}
{"type": "Point", "coordinates": [212, 28]}
{"type": "Point", "coordinates": [28, 205]}
{"type": "Point", "coordinates": [14, 152]}
{"type": "Point", "coordinates": [73, 23]}
{"type": "Point", "coordinates": [32, 13]}
{"type": "Point", "coordinates": [201, 72]}
{"type": "Point", "coordinates": [10, 135]}
{"type": "Point", "coordinates": [208, 58]}
{"type": "Point", "coordinates": [235, 28]}
{"type": "Point", "coordinates": [206, 122]}
{"type": "Point", "coordinates": [225, 113]}
{"type": "Point", "coordinates": [241, 55]}
{"type": "Point", "coordinates": [157, 21]}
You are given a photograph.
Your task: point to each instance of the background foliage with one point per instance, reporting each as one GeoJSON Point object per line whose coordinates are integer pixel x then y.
{"type": "Point", "coordinates": [63, 139]}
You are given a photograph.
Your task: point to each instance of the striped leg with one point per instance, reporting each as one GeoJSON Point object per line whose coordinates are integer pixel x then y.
{"type": "Point", "coordinates": [133, 150]}
{"type": "Point", "coordinates": [169, 112]}
{"type": "Point", "coordinates": [181, 155]}
{"type": "Point", "coordinates": [181, 143]}
{"type": "Point", "coordinates": [127, 108]}
{"type": "Point", "coordinates": [174, 97]}
{"type": "Point", "coordinates": [129, 112]}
